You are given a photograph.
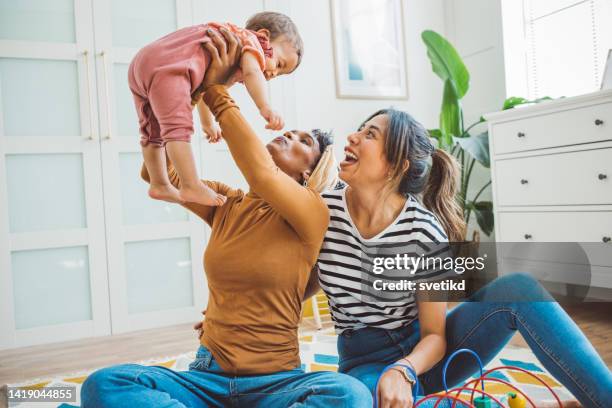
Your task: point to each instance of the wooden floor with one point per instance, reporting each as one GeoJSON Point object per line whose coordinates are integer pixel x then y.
{"type": "Point", "coordinates": [595, 319]}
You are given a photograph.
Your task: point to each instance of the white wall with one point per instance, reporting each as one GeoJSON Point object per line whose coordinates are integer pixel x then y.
{"type": "Point", "coordinates": [474, 27]}
{"type": "Point", "coordinates": [313, 85]}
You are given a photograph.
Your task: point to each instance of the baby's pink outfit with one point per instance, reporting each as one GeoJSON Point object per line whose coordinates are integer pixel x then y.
{"type": "Point", "coordinates": [164, 74]}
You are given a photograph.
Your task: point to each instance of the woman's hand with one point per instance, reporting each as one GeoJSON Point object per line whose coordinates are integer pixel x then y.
{"type": "Point", "coordinates": [394, 391]}
{"type": "Point", "coordinates": [198, 326]}
{"type": "Point", "coordinates": [224, 57]}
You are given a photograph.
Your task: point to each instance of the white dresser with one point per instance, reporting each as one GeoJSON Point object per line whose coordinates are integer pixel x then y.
{"type": "Point", "coordinates": [551, 166]}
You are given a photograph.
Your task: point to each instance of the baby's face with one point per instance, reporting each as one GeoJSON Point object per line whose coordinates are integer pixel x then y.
{"type": "Point", "coordinates": [284, 59]}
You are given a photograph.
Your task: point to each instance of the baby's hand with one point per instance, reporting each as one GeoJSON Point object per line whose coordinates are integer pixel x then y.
{"type": "Point", "coordinates": [275, 122]}
{"type": "Point", "coordinates": [212, 133]}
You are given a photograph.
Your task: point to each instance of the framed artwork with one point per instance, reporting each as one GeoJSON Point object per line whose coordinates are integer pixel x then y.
{"type": "Point", "coordinates": [369, 52]}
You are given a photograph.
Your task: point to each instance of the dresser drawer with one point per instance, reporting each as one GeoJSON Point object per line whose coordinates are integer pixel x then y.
{"type": "Point", "coordinates": [582, 125]}
{"type": "Point", "coordinates": [586, 233]}
{"type": "Point", "coordinates": [574, 178]}
{"type": "Point", "coordinates": [555, 226]}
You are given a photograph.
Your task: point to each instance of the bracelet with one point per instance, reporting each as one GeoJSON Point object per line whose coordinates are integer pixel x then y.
{"type": "Point", "coordinates": [415, 389]}
{"type": "Point", "coordinates": [408, 377]}
{"type": "Point", "coordinates": [408, 362]}
{"type": "Point", "coordinates": [415, 385]}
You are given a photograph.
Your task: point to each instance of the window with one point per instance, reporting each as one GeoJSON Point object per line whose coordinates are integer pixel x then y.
{"type": "Point", "coordinates": [555, 47]}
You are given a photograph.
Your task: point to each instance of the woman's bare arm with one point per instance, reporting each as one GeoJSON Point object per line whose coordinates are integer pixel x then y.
{"type": "Point", "coordinates": [432, 346]}
{"type": "Point", "coordinates": [313, 286]}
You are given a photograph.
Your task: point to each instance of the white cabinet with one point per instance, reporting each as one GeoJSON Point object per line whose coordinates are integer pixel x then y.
{"type": "Point", "coordinates": [551, 168]}
{"type": "Point", "coordinates": [83, 250]}
{"type": "Point", "coordinates": [154, 248]}
{"type": "Point", "coordinates": [53, 271]}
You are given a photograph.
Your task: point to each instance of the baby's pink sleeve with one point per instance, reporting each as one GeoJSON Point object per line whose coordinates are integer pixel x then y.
{"type": "Point", "coordinates": [170, 99]}
{"type": "Point", "coordinates": [251, 44]}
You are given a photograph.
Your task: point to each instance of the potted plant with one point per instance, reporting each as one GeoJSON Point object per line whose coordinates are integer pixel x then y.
{"type": "Point", "coordinates": [453, 136]}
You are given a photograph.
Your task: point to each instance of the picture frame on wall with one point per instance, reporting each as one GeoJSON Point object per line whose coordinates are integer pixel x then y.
{"type": "Point", "coordinates": [369, 49]}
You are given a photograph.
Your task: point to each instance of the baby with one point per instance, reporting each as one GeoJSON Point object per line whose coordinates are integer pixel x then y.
{"type": "Point", "coordinates": [165, 78]}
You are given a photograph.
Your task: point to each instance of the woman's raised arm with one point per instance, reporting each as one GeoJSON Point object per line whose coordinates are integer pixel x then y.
{"type": "Point", "coordinates": [301, 207]}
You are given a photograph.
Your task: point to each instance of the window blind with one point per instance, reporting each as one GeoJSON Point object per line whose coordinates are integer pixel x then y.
{"type": "Point", "coordinates": [567, 42]}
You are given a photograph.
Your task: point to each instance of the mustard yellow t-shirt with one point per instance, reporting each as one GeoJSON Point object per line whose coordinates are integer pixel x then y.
{"type": "Point", "coordinates": [262, 248]}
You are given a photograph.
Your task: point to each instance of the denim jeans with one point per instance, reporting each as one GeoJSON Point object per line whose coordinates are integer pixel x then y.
{"type": "Point", "coordinates": [485, 326]}
{"type": "Point", "coordinates": [206, 385]}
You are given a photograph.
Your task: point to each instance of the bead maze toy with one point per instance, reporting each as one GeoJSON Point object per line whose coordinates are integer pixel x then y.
{"type": "Point", "coordinates": [482, 399]}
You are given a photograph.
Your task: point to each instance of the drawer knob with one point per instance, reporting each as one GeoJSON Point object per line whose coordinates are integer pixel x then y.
{"type": "Point", "coordinates": [528, 236]}
{"type": "Point", "coordinates": [520, 134]}
{"type": "Point", "coordinates": [606, 240]}
{"type": "Point", "coordinates": [523, 181]}
{"type": "Point", "coordinates": [599, 122]}
{"type": "Point", "coordinates": [602, 176]}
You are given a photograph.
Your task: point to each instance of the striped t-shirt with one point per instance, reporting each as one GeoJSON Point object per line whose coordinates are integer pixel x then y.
{"type": "Point", "coordinates": [340, 264]}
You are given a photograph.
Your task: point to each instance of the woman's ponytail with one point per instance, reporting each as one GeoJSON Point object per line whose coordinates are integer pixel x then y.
{"type": "Point", "coordinates": [440, 195]}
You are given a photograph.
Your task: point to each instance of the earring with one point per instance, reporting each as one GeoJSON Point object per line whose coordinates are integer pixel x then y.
{"type": "Point", "coordinates": [305, 183]}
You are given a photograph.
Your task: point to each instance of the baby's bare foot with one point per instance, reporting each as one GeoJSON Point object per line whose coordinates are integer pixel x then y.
{"type": "Point", "coordinates": [165, 192]}
{"type": "Point", "coordinates": [201, 194]}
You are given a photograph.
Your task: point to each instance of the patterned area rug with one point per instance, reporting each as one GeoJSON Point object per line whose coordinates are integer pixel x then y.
{"type": "Point", "coordinates": [318, 353]}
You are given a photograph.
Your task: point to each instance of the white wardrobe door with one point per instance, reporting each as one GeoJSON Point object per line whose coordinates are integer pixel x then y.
{"type": "Point", "coordinates": [154, 248]}
{"type": "Point", "coordinates": [53, 281]}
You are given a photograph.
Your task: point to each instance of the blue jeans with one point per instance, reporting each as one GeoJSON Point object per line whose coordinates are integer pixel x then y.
{"type": "Point", "coordinates": [485, 326]}
{"type": "Point", "coordinates": [206, 385]}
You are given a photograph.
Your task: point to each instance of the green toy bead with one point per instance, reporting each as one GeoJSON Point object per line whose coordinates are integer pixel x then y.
{"type": "Point", "coordinates": [482, 402]}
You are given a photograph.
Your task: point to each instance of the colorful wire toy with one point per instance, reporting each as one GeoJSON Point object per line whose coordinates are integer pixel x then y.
{"type": "Point", "coordinates": [517, 399]}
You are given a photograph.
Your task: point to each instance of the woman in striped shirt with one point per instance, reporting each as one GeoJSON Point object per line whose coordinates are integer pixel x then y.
{"type": "Point", "coordinates": [394, 198]}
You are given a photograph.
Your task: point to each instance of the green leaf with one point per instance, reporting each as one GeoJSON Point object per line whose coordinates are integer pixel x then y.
{"type": "Point", "coordinates": [435, 133]}
{"type": "Point", "coordinates": [515, 101]}
{"type": "Point", "coordinates": [543, 99]}
{"type": "Point", "coordinates": [450, 114]}
{"type": "Point", "coordinates": [477, 146]}
{"type": "Point", "coordinates": [484, 215]}
{"type": "Point", "coordinates": [446, 62]}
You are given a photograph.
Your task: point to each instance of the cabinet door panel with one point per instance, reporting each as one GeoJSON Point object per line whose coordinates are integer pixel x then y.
{"type": "Point", "coordinates": [135, 23]}
{"type": "Point", "coordinates": [51, 287]}
{"type": "Point", "coordinates": [53, 271]}
{"type": "Point", "coordinates": [45, 192]}
{"type": "Point", "coordinates": [40, 97]}
{"type": "Point", "coordinates": [37, 20]}
{"type": "Point", "coordinates": [154, 247]}
{"type": "Point", "coordinates": [158, 275]}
